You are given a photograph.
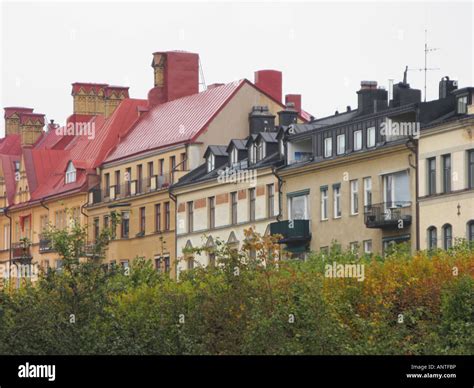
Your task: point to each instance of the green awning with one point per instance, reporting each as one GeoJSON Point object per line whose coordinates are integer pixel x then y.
{"type": "Point", "coordinates": [296, 248]}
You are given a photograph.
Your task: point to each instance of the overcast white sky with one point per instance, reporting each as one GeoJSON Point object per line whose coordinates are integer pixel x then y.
{"type": "Point", "coordinates": [323, 49]}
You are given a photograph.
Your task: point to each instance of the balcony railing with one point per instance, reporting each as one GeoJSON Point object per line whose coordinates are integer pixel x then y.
{"type": "Point", "coordinates": [91, 250]}
{"type": "Point", "coordinates": [388, 215]}
{"type": "Point", "coordinates": [21, 251]}
{"type": "Point", "coordinates": [292, 231]}
{"type": "Point", "coordinates": [45, 244]}
{"type": "Point", "coordinates": [129, 189]}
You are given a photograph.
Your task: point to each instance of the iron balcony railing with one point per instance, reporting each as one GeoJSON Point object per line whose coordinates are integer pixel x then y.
{"type": "Point", "coordinates": [388, 215]}
{"type": "Point", "coordinates": [128, 189]}
{"type": "Point", "coordinates": [21, 251]}
{"type": "Point", "coordinates": [291, 231]}
{"type": "Point", "coordinates": [45, 244]}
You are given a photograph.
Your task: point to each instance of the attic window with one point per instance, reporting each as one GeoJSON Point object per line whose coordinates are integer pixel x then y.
{"type": "Point", "coordinates": [253, 153]}
{"type": "Point", "coordinates": [234, 156]}
{"type": "Point", "coordinates": [260, 150]}
{"type": "Point", "coordinates": [70, 173]}
{"type": "Point", "coordinates": [211, 162]}
{"type": "Point", "coordinates": [462, 105]}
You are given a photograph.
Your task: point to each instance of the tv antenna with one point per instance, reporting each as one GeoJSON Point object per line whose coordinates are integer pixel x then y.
{"type": "Point", "coordinates": [428, 50]}
{"type": "Point", "coordinates": [202, 81]}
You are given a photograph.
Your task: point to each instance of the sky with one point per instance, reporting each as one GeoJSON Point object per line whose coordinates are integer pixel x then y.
{"type": "Point", "coordinates": [324, 49]}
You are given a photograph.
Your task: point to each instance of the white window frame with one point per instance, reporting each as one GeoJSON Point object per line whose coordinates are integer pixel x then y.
{"type": "Point", "coordinates": [341, 144]}
{"type": "Point", "coordinates": [337, 202]}
{"type": "Point", "coordinates": [70, 176]}
{"type": "Point", "coordinates": [358, 140]}
{"type": "Point", "coordinates": [211, 162]}
{"type": "Point", "coordinates": [328, 147]}
{"type": "Point", "coordinates": [324, 204]}
{"type": "Point", "coordinates": [355, 197]}
{"type": "Point", "coordinates": [366, 243]}
{"type": "Point", "coordinates": [306, 206]}
{"type": "Point", "coordinates": [234, 156]}
{"type": "Point", "coordinates": [371, 137]}
{"type": "Point", "coordinates": [367, 190]}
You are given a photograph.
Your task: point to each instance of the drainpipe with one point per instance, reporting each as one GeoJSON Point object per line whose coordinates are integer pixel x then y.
{"type": "Point", "coordinates": [174, 199]}
{"type": "Point", "coordinates": [412, 145]}
{"type": "Point", "coordinates": [5, 212]}
{"type": "Point", "coordinates": [280, 184]}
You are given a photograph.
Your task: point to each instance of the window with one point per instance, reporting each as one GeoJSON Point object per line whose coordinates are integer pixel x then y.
{"type": "Point", "coordinates": [212, 212]}
{"type": "Point", "coordinates": [337, 200]}
{"type": "Point", "coordinates": [397, 189]}
{"type": "Point", "coordinates": [128, 180]}
{"type": "Point", "coordinates": [252, 204]}
{"type": "Point", "coordinates": [234, 156]}
{"type": "Point", "coordinates": [107, 184]}
{"type": "Point", "coordinates": [354, 197]}
{"type": "Point", "coordinates": [167, 216]}
{"type": "Point", "coordinates": [357, 140]}
{"type": "Point", "coordinates": [212, 259]}
{"type": "Point", "coordinates": [447, 236]}
{"type": "Point", "coordinates": [341, 144]}
{"type": "Point", "coordinates": [167, 264]}
{"type": "Point", "coordinates": [190, 216]}
{"type": "Point", "coordinates": [324, 203]}
{"type": "Point", "coordinates": [172, 167]}
{"type": "Point", "coordinates": [446, 159]}
{"type": "Point", "coordinates": [470, 169]}
{"type": "Point", "coordinates": [150, 173]}
{"type": "Point", "coordinates": [106, 221]}
{"type": "Point", "coordinates": [431, 176]}
{"type": "Point", "coordinates": [282, 146]}
{"type": "Point", "coordinates": [261, 148]}
{"type": "Point", "coordinates": [183, 161]}
{"type": "Point", "coordinates": [328, 147]}
{"type": "Point", "coordinates": [367, 191]}
{"type": "Point", "coordinates": [370, 137]}
{"type": "Point", "coordinates": [211, 161]}
{"type": "Point", "coordinates": [125, 229]}
{"type": "Point", "coordinates": [161, 167]}
{"type": "Point", "coordinates": [142, 220]}
{"type": "Point", "coordinates": [190, 263]}
{"type": "Point", "coordinates": [270, 200]}
{"type": "Point", "coordinates": [158, 217]}
{"type": "Point", "coordinates": [367, 246]}
{"type": "Point", "coordinates": [233, 205]}
{"type": "Point", "coordinates": [354, 246]}
{"type": "Point", "coordinates": [432, 237]}
{"type": "Point", "coordinates": [117, 182]}
{"type": "Point", "coordinates": [462, 105]}
{"type": "Point", "coordinates": [96, 229]}
{"type": "Point", "coordinates": [253, 153]}
{"type": "Point", "coordinates": [70, 173]}
{"type": "Point", "coordinates": [139, 179]}
{"type": "Point", "coordinates": [124, 264]}
{"type": "Point", "coordinates": [470, 231]}
{"type": "Point", "coordinates": [298, 207]}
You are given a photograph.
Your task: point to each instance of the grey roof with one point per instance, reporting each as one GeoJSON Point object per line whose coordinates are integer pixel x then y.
{"type": "Point", "coordinates": [218, 150]}
{"type": "Point", "coordinates": [269, 137]}
{"type": "Point", "coordinates": [237, 143]}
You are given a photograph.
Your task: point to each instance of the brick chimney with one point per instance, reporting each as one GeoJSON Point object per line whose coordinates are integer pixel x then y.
{"type": "Point", "coordinates": [31, 128]}
{"type": "Point", "coordinates": [270, 81]}
{"type": "Point", "coordinates": [176, 75]}
{"type": "Point", "coordinates": [97, 99]}
{"type": "Point", "coordinates": [12, 119]}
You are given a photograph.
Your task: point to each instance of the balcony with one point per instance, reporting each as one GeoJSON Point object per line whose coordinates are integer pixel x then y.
{"type": "Point", "coordinates": [293, 231]}
{"type": "Point", "coordinates": [45, 244]}
{"type": "Point", "coordinates": [129, 189]}
{"type": "Point", "coordinates": [91, 250]}
{"type": "Point", "coordinates": [21, 251]}
{"type": "Point", "coordinates": [388, 215]}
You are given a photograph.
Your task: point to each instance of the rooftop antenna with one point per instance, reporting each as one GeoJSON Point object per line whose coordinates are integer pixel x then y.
{"type": "Point", "coordinates": [425, 68]}
{"type": "Point", "coordinates": [202, 81]}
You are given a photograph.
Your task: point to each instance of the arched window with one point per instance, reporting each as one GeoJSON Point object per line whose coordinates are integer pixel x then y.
{"type": "Point", "coordinates": [432, 237]}
{"type": "Point", "coordinates": [70, 173]}
{"type": "Point", "coordinates": [470, 231]}
{"type": "Point", "coordinates": [447, 236]}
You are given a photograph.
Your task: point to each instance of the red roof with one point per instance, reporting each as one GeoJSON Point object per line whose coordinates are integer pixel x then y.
{"type": "Point", "coordinates": [176, 121]}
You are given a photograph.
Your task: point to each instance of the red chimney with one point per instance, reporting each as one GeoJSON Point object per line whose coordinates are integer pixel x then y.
{"type": "Point", "coordinates": [295, 99]}
{"type": "Point", "coordinates": [270, 81]}
{"type": "Point", "coordinates": [176, 76]}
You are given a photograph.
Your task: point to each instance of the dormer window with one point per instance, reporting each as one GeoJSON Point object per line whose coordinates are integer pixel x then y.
{"type": "Point", "coordinates": [462, 105]}
{"type": "Point", "coordinates": [260, 150]}
{"type": "Point", "coordinates": [70, 173]}
{"type": "Point", "coordinates": [211, 162]}
{"type": "Point", "coordinates": [234, 156]}
{"type": "Point", "coordinates": [253, 153]}
{"type": "Point", "coordinates": [282, 146]}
